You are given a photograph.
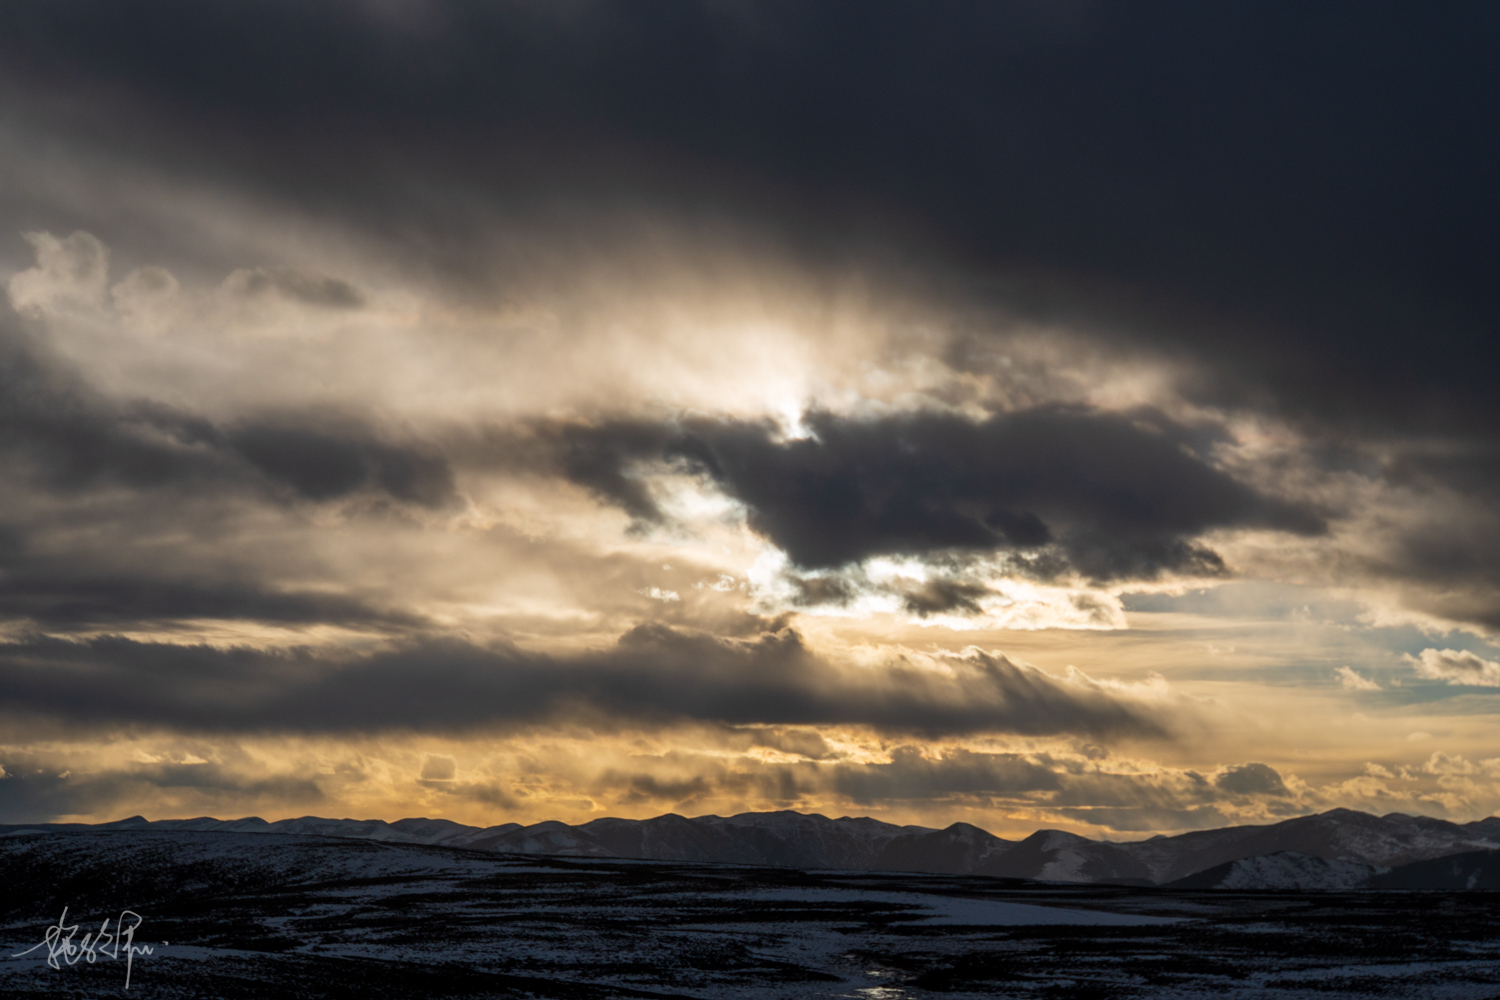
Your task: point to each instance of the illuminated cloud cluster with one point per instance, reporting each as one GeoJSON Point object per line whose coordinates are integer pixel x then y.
{"type": "Point", "coordinates": [1457, 666]}
{"type": "Point", "coordinates": [549, 411]}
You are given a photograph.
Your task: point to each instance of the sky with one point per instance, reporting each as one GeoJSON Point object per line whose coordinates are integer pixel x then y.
{"type": "Point", "coordinates": [1045, 414]}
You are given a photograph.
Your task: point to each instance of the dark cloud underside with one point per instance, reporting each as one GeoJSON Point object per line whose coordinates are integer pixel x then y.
{"type": "Point", "coordinates": [653, 674]}
{"type": "Point", "coordinates": [1123, 497]}
{"type": "Point", "coordinates": [64, 603]}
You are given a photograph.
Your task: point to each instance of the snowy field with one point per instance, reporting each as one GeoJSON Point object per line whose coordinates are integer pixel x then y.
{"type": "Point", "coordinates": [231, 915]}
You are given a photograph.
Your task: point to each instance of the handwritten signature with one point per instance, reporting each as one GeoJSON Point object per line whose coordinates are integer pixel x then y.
{"type": "Point", "coordinates": [60, 944]}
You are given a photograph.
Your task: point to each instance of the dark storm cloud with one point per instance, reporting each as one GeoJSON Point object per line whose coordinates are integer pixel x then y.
{"type": "Point", "coordinates": [913, 775]}
{"type": "Point", "coordinates": [1448, 556]}
{"type": "Point", "coordinates": [1293, 191]}
{"type": "Point", "coordinates": [938, 596]}
{"type": "Point", "coordinates": [596, 456]}
{"type": "Point", "coordinates": [326, 463]}
{"type": "Point", "coordinates": [653, 674]}
{"type": "Point", "coordinates": [73, 599]}
{"type": "Point", "coordinates": [59, 434]}
{"type": "Point", "coordinates": [1252, 779]}
{"type": "Point", "coordinates": [1469, 468]}
{"type": "Point", "coordinates": [1122, 495]}
{"type": "Point", "coordinates": [79, 440]}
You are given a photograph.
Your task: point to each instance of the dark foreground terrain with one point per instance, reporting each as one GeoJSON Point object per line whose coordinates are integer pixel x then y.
{"type": "Point", "coordinates": [313, 917]}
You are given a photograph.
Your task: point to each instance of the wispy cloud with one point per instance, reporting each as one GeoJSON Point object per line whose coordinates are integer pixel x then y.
{"type": "Point", "coordinates": [1353, 680]}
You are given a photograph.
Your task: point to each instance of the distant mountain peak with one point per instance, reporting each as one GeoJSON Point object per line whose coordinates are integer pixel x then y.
{"type": "Point", "coordinates": [1337, 848]}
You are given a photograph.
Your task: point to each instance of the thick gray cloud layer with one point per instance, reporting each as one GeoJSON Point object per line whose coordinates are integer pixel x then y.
{"type": "Point", "coordinates": [77, 599]}
{"type": "Point", "coordinates": [1122, 495]}
{"type": "Point", "coordinates": [1124, 498]}
{"type": "Point", "coordinates": [653, 674]}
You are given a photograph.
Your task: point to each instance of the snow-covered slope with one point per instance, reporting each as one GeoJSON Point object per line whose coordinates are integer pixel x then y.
{"type": "Point", "coordinates": [1337, 835]}
{"type": "Point", "coordinates": [1283, 870]}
